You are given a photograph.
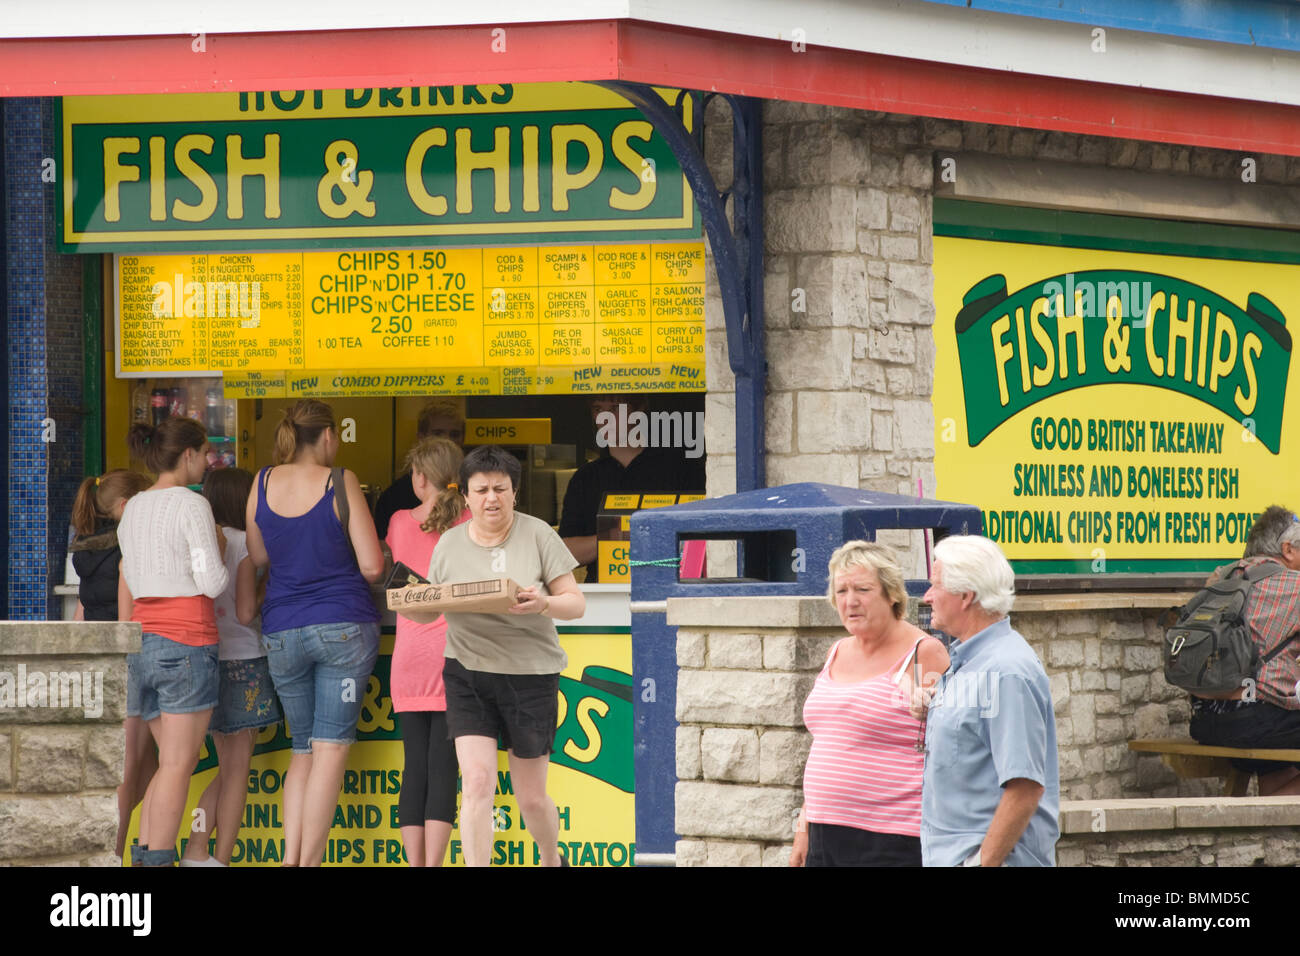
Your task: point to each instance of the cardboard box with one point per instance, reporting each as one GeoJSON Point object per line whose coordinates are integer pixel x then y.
{"type": "Point", "coordinates": [425, 602]}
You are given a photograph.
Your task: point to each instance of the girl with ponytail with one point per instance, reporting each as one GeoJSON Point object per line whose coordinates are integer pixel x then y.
{"type": "Point", "coordinates": [95, 557]}
{"type": "Point", "coordinates": [426, 807]}
{"type": "Point", "coordinates": [320, 626]}
{"type": "Point", "coordinates": [95, 553]}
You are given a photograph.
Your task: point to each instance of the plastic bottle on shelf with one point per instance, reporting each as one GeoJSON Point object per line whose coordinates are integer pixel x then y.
{"type": "Point", "coordinates": [177, 395]}
{"type": "Point", "coordinates": [215, 418]}
{"type": "Point", "coordinates": [140, 402]}
{"type": "Point", "coordinates": [231, 430]}
{"type": "Point", "coordinates": [196, 398]}
{"type": "Point", "coordinates": [160, 404]}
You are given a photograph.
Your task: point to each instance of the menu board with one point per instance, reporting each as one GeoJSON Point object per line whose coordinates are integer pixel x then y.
{"type": "Point", "coordinates": [500, 321]}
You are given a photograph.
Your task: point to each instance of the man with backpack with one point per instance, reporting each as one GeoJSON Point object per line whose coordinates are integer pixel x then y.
{"type": "Point", "coordinates": [1264, 711]}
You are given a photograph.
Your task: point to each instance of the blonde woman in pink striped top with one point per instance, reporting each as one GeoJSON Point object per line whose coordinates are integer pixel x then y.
{"type": "Point", "coordinates": [862, 783]}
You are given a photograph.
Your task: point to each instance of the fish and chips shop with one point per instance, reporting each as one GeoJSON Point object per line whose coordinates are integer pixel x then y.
{"type": "Point", "coordinates": [512, 249]}
{"type": "Point", "coordinates": [1062, 296]}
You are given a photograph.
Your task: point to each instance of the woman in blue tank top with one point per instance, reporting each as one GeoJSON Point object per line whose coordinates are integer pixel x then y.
{"type": "Point", "coordinates": [320, 627]}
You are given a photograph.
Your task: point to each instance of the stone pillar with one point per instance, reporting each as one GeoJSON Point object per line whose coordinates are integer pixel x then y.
{"type": "Point", "coordinates": [746, 666]}
{"type": "Point", "coordinates": [62, 703]}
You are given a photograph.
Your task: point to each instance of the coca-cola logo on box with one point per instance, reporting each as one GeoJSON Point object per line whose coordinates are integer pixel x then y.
{"type": "Point", "coordinates": [417, 595]}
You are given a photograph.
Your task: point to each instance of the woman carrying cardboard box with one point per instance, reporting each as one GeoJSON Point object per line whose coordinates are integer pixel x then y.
{"type": "Point", "coordinates": [502, 670]}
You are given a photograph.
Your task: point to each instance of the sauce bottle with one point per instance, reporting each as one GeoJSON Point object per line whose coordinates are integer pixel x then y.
{"type": "Point", "coordinates": [160, 405]}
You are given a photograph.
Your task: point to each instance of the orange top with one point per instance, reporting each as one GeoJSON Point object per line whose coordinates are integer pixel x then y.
{"type": "Point", "coordinates": [185, 620]}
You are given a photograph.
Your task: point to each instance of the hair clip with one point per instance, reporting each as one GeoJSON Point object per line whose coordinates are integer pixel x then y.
{"type": "Point", "coordinates": [453, 487]}
{"type": "Point", "coordinates": [97, 481]}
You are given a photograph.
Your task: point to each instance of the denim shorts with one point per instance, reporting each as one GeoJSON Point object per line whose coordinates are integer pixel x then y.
{"type": "Point", "coordinates": [320, 673]}
{"type": "Point", "coordinates": [170, 677]}
{"type": "Point", "coordinates": [246, 699]}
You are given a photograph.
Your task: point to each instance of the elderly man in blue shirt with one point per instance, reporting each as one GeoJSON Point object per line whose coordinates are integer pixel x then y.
{"type": "Point", "coordinates": [991, 787]}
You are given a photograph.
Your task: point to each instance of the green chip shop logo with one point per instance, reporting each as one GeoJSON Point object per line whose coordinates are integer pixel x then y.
{"type": "Point", "coordinates": [1108, 326]}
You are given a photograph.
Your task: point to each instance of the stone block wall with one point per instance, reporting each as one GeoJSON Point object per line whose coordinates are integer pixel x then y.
{"type": "Point", "coordinates": [746, 665]}
{"type": "Point", "coordinates": [1102, 654]}
{"type": "Point", "coordinates": [62, 703]}
{"type": "Point", "coordinates": [1242, 831]}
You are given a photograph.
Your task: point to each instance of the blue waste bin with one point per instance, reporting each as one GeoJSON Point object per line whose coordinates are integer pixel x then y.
{"type": "Point", "coordinates": [785, 537]}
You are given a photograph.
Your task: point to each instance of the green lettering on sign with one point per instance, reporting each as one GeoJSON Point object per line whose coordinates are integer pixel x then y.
{"type": "Point", "coordinates": [1102, 327]}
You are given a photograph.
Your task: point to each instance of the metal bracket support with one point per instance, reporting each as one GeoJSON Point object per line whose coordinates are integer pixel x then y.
{"type": "Point", "coordinates": [736, 242]}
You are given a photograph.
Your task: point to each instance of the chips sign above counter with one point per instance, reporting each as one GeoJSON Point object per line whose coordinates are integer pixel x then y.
{"type": "Point", "coordinates": [499, 321]}
{"type": "Point", "coordinates": [385, 168]}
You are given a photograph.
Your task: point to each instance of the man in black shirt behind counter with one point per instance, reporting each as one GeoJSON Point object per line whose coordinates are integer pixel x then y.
{"type": "Point", "coordinates": [440, 418]}
{"type": "Point", "coordinates": [621, 468]}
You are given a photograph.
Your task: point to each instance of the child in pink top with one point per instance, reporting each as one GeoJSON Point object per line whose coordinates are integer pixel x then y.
{"type": "Point", "coordinates": [426, 807]}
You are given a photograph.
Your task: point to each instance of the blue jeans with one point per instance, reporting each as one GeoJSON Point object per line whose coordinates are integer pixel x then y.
{"type": "Point", "coordinates": [171, 677]}
{"type": "Point", "coordinates": [320, 673]}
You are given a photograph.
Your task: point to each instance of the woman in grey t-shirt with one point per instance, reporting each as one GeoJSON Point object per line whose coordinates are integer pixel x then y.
{"type": "Point", "coordinates": [502, 670]}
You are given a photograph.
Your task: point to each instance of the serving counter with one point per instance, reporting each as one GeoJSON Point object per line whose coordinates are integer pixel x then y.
{"type": "Point", "coordinates": [590, 777]}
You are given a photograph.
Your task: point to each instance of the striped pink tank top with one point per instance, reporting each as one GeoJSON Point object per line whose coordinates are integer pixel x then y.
{"type": "Point", "coordinates": [864, 770]}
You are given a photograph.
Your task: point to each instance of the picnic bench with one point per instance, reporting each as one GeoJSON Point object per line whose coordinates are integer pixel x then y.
{"type": "Point", "coordinates": [1187, 758]}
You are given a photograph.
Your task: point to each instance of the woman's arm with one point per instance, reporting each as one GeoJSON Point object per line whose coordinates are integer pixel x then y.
{"type": "Point", "coordinates": [125, 603]}
{"type": "Point", "coordinates": [256, 546]}
{"type": "Point", "coordinates": [207, 561]}
{"type": "Point", "coordinates": [934, 661]}
{"type": "Point", "coordinates": [565, 602]}
{"type": "Point", "coordinates": [932, 657]}
{"type": "Point", "coordinates": [799, 854]}
{"type": "Point", "coordinates": [361, 530]}
{"type": "Point", "coordinates": [245, 592]}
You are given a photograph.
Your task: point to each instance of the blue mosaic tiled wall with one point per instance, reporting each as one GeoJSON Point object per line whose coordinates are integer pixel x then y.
{"type": "Point", "coordinates": [44, 326]}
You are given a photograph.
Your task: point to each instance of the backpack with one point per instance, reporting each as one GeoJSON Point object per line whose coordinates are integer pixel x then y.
{"type": "Point", "coordinates": [1209, 651]}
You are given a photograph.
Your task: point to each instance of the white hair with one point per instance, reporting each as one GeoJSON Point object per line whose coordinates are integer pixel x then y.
{"type": "Point", "coordinates": [974, 564]}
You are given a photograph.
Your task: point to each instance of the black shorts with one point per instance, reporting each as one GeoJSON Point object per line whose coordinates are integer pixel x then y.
{"type": "Point", "coordinates": [521, 710]}
{"type": "Point", "coordinates": [831, 845]}
{"type": "Point", "coordinates": [1257, 724]}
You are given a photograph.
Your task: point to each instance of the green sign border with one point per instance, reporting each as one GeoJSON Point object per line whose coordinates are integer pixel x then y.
{"type": "Point", "coordinates": [687, 226]}
{"type": "Point", "coordinates": [964, 219]}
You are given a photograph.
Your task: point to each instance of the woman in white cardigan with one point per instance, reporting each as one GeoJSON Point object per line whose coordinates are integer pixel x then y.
{"type": "Point", "coordinates": [171, 570]}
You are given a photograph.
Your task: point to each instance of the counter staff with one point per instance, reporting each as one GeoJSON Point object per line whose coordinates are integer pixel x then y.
{"type": "Point", "coordinates": [440, 418]}
{"type": "Point", "coordinates": [621, 468]}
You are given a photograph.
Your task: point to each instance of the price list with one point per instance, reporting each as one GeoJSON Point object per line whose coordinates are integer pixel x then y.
{"type": "Point", "coordinates": [526, 320]}
{"type": "Point", "coordinates": [158, 328]}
